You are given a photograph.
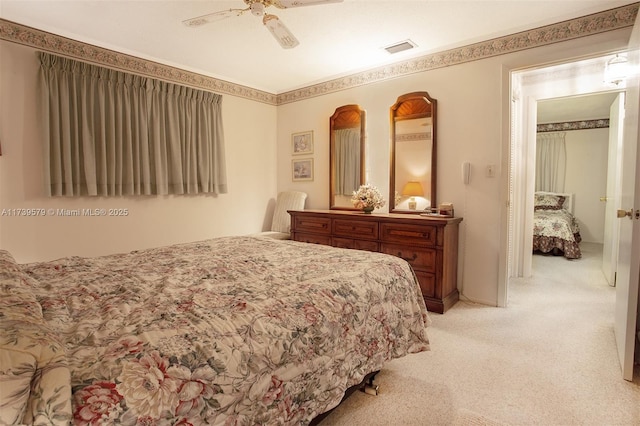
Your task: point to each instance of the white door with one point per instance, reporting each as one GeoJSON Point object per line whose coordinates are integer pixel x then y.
{"type": "Point", "coordinates": [629, 243]}
{"type": "Point", "coordinates": [612, 196]}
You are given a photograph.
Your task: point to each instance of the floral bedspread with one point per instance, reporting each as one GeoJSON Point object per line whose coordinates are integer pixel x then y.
{"type": "Point", "coordinates": [233, 330]}
{"type": "Point", "coordinates": [556, 229]}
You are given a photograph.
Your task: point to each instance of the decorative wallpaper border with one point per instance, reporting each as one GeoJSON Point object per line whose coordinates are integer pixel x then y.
{"type": "Point", "coordinates": [411, 137]}
{"type": "Point", "coordinates": [67, 47]}
{"type": "Point", "coordinates": [597, 23]}
{"type": "Point", "coordinates": [608, 20]}
{"type": "Point", "coordinates": [573, 125]}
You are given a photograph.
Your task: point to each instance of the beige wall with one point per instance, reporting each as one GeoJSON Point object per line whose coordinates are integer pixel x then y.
{"type": "Point", "coordinates": [473, 126]}
{"type": "Point", "coordinates": [250, 129]}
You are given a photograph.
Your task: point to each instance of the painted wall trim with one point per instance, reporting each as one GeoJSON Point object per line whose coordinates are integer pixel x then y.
{"type": "Point", "coordinates": [609, 20]}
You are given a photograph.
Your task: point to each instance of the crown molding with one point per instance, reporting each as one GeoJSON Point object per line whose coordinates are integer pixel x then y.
{"type": "Point", "coordinates": [73, 49]}
{"type": "Point", "coordinates": [597, 23]}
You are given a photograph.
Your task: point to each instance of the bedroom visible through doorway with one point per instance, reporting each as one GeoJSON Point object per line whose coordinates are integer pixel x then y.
{"type": "Point", "coordinates": [530, 87]}
{"type": "Point", "coordinates": [527, 89]}
{"type": "Point", "coordinates": [577, 157]}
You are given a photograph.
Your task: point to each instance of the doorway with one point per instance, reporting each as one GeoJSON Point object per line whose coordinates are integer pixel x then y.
{"type": "Point", "coordinates": [529, 87]}
{"type": "Point", "coordinates": [586, 130]}
{"type": "Point", "coordinates": [570, 79]}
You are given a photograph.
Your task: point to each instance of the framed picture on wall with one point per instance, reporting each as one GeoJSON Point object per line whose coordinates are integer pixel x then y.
{"type": "Point", "coordinates": [302, 143]}
{"type": "Point", "coordinates": [302, 169]}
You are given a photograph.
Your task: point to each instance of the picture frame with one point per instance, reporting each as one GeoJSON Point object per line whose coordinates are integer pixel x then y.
{"type": "Point", "coordinates": [302, 169]}
{"type": "Point", "coordinates": [302, 143]}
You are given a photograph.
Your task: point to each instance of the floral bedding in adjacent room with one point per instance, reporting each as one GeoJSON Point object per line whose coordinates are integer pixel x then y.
{"type": "Point", "coordinates": [555, 230]}
{"type": "Point", "coordinates": [234, 330]}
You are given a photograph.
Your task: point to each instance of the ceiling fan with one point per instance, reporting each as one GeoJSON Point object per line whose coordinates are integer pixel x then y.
{"type": "Point", "coordinates": [281, 33]}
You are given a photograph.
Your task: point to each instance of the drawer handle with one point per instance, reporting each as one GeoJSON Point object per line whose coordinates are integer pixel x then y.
{"type": "Point", "coordinates": [415, 256]}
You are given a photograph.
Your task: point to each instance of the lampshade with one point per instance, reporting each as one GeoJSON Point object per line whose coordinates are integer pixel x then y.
{"type": "Point", "coordinates": [413, 188]}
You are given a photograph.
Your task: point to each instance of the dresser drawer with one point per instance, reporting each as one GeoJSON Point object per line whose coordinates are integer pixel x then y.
{"type": "Point", "coordinates": [355, 244]}
{"type": "Point", "coordinates": [313, 238]}
{"type": "Point", "coordinates": [427, 283]}
{"type": "Point", "coordinates": [418, 234]}
{"type": "Point", "coordinates": [316, 225]}
{"type": "Point", "coordinates": [424, 259]}
{"type": "Point", "coordinates": [430, 245]}
{"type": "Point", "coordinates": [356, 228]}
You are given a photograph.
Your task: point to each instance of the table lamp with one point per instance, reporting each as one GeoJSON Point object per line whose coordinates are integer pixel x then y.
{"type": "Point", "coordinates": [412, 189]}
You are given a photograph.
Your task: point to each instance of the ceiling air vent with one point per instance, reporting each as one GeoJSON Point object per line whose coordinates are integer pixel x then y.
{"type": "Point", "coordinates": [400, 47]}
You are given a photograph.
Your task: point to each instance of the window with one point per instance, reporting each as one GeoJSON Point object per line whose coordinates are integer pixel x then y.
{"type": "Point", "coordinates": [112, 133]}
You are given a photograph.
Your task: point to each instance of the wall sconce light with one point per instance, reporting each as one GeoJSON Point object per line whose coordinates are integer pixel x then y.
{"type": "Point", "coordinates": [616, 70]}
{"type": "Point", "coordinates": [412, 189]}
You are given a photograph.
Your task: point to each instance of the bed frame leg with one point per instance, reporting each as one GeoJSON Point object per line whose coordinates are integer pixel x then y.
{"type": "Point", "coordinates": [370, 387]}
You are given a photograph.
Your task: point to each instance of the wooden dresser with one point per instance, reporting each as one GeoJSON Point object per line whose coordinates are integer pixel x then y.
{"type": "Point", "coordinates": [429, 244]}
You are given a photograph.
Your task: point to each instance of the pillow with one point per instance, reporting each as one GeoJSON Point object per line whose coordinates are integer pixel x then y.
{"type": "Point", "coordinates": [8, 263]}
{"type": "Point", "coordinates": [17, 368]}
{"type": "Point", "coordinates": [544, 201]}
{"type": "Point", "coordinates": [34, 377]}
{"type": "Point", "coordinates": [17, 296]}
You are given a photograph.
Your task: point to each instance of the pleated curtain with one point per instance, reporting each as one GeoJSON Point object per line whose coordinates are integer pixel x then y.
{"type": "Point", "coordinates": [347, 161]}
{"type": "Point", "coordinates": [112, 133]}
{"type": "Point", "coordinates": [551, 160]}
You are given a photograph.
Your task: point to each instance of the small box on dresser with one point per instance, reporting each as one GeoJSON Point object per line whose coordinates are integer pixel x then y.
{"type": "Point", "coordinates": [429, 244]}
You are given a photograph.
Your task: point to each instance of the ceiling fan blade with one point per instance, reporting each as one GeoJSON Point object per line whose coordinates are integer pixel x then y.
{"type": "Point", "coordinates": [213, 17]}
{"type": "Point", "coordinates": [285, 4]}
{"type": "Point", "coordinates": [281, 33]}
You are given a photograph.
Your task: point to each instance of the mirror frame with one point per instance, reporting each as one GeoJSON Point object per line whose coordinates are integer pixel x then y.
{"type": "Point", "coordinates": [410, 106]}
{"type": "Point", "coordinates": [344, 117]}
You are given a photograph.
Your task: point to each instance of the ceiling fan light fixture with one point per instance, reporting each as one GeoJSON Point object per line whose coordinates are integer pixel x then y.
{"type": "Point", "coordinates": [277, 29]}
{"type": "Point", "coordinates": [400, 47]}
{"type": "Point", "coordinates": [284, 4]}
{"type": "Point", "coordinates": [257, 9]}
{"type": "Point", "coordinates": [616, 70]}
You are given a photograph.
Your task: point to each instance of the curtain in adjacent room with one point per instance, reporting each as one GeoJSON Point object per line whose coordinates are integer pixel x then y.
{"type": "Point", "coordinates": [551, 159]}
{"type": "Point", "coordinates": [113, 133]}
{"type": "Point", "coordinates": [347, 161]}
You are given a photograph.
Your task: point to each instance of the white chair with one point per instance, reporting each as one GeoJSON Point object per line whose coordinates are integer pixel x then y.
{"type": "Point", "coordinates": [281, 222]}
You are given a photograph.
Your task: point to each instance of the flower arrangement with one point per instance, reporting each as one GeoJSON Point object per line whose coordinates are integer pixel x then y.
{"type": "Point", "coordinates": [367, 198]}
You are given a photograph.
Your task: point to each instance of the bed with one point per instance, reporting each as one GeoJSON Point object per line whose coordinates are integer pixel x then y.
{"type": "Point", "coordinates": [555, 228]}
{"type": "Point", "coordinates": [234, 330]}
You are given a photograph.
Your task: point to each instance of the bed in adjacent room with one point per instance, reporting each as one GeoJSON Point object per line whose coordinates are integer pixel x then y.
{"type": "Point", "coordinates": [232, 330]}
{"type": "Point", "coordinates": [555, 228]}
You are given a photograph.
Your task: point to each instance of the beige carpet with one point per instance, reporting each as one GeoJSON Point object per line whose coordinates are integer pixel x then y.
{"type": "Point", "coordinates": [549, 358]}
{"type": "Point", "coordinates": [468, 418]}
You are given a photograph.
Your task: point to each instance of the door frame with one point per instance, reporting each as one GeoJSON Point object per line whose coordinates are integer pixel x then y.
{"type": "Point", "coordinates": [612, 193]}
{"type": "Point", "coordinates": [527, 87]}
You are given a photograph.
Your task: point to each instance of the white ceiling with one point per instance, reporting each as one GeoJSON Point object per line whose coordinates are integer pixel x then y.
{"type": "Point", "coordinates": [576, 108]}
{"type": "Point", "coordinates": [336, 39]}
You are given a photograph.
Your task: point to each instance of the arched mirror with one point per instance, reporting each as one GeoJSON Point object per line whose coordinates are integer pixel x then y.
{"type": "Point", "coordinates": [413, 154]}
{"type": "Point", "coordinates": [346, 154]}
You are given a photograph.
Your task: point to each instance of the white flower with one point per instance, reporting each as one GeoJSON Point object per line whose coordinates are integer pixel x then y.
{"type": "Point", "coordinates": [148, 386]}
{"type": "Point", "coordinates": [367, 196]}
